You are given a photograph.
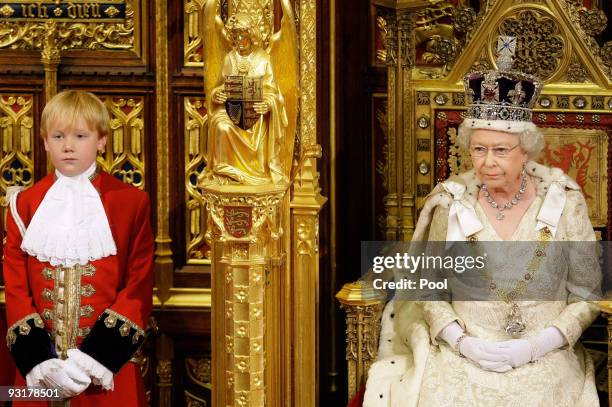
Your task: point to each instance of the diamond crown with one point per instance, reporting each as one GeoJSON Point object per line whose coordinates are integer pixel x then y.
{"type": "Point", "coordinates": [504, 93]}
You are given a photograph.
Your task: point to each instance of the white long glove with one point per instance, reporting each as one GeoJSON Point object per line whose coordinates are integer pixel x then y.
{"type": "Point", "coordinates": [475, 349]}
{"type": "Point", "coordinates": [522, 351]}
{"type": "Point", "coordinates": [56, 373]}
{"type": "Point", "coordinates": [100, 375]}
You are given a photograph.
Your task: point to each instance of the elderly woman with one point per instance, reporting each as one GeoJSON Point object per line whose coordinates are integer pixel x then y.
{"type": "Point", "coordinates": [506, 351]}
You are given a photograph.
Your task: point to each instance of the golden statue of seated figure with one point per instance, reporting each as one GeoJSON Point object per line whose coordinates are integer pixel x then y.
{"type": "Point", "coordinates": [252, 99]}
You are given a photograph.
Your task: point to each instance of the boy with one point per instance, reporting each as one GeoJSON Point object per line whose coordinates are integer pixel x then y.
{"type": "Point", "coordinates": [78, 266]}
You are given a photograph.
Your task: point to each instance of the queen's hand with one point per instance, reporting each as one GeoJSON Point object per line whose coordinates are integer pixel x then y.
{"type": "Point", "coordinates": [475, 349]}
{"type": "Point", "coordinates": [521, 351]}
{"type": "Point", "coordinates": [517, 351]}
{"type": "Point", "coordinates": [479, 351]}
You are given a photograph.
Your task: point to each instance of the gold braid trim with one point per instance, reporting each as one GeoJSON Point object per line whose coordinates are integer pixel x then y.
{"type": "Point", "coordinates": [24, 328]}
{"type": "Point", "coordinates": [111, 320]}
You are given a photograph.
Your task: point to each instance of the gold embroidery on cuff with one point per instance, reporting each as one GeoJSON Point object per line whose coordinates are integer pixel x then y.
{"type": "Point", "coordinates": [24, 328]}
{"type": "Point", "coordinates": [84, 331]}
{"type": "Point", "coordinates": [111, 321]}
{"type": "Point", "coordinates": [136, 337]}
{"type": "Point", "coordinates": [124, 330]}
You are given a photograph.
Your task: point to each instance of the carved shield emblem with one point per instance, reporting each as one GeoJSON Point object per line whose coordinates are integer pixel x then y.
{"type": "Point", "coordinates": [242, 113]}
{"type": "Point", "coordinates": [242, 92]}
{"type": "Point", "coordinates": [238, 220]}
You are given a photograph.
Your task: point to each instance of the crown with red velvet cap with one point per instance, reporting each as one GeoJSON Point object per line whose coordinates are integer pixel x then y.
{"type": "Point", "coordinates": [501, 99]}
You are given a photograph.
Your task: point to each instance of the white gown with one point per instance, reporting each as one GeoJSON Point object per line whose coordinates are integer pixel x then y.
{"type": "Point", "coordinates": [413, 369]}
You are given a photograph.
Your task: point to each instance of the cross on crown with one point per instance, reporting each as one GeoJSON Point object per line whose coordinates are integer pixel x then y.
{"type": "Point", "coordinates": [506, 48]}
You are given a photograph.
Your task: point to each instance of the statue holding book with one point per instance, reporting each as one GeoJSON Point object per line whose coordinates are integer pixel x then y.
{"type": "Point", "coordinates": [252, 99]}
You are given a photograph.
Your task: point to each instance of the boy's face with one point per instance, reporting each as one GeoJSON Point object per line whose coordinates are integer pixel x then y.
{"type": "Point", "coordinates": [72, 149]}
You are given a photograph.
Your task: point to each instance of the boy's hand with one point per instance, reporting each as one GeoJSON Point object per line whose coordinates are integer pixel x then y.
{"type": "Point", "coordinates": [58, 374]}
{"type": "Point", "coordinates": [99, 374]}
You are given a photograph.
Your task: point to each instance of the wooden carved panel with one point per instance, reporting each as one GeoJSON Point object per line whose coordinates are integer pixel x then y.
{"type": "Point", "coordinates": [17, 139]}
{"type": "Point", "coordinates": [118, 27]}
{"type": "Point", "coordinates": [124, 156]}
{"type": "Point", "coordinates": [192, 41]}
{"type": "Point", "coordinates": [380, 146]}
{"type": "Point", "coordinates": [197, 248]}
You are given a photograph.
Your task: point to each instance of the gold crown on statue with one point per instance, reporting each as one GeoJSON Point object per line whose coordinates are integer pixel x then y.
{"type": "Point", "coordinates": [502, 94]}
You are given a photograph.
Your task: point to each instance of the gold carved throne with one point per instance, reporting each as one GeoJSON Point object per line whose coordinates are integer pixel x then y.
{"type": "Point", "coordinates": [426, 48]}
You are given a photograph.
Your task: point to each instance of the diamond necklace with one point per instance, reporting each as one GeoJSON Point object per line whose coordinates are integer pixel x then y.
{"type": "Point", "coordinates": [508, 205]}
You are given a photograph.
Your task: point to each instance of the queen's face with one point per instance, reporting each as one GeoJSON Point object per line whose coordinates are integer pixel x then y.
{"type": "Point", "coordinates": [242, 41]}
{"type": "Point", "coordinates": [497, 158]}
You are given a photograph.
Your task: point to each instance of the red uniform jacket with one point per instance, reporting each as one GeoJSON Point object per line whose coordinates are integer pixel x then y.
{"type": "Point", "coordinates": [105, 304]}
{"type": "Point", "coordinates": [7, 367]}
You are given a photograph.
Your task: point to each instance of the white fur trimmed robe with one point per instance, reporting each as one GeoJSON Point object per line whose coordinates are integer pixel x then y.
{"type": "Point", "coordinates": [415, 369]}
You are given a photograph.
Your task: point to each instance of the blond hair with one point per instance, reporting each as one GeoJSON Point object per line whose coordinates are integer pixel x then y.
{"type": "Point", "coordinates": [71, 105]}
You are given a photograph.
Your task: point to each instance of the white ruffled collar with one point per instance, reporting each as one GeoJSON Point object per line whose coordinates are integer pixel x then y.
{"type": "Point", "coordinates": [70, 226]}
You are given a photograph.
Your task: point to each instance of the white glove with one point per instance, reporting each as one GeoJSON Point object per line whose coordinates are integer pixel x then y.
{"type": "Point", "coordinates": [517, 351]}
{"type": "Point", "coordinates": [474, 348]}
{"type": "Point", "coordinates": [451, 333]}
{"type": "Point", "coordinates": [100, 375]}
{"type": "Point", "coordinates": [546, 341]}
{"type": "Point", "coordinates": [479, 351]}
{"type": "Point", "coordinates": [56, 373]}
{"type": "Point", "coordinates": [522, 351]}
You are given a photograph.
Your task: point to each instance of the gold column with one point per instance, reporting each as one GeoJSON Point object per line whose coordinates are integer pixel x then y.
{"type": "Point", "coordinates": [306, 202]}
{"type": "Point", "coordinates": [50, 57]}
{"type": "Point", "coordinates": [284, 372]}
{"type": "Point", "coordinates": [363, 306]}
{"type": "Point", "coordinates": [245, 227]}
{"type": "Point", "coordinates": [163, 252]}
{"type": "Point", "coordinates": [405, 119]}
{"type": "Point", "coordinates": [400, 200]}
{"type": "Point", "coordinates": [164, 354]}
